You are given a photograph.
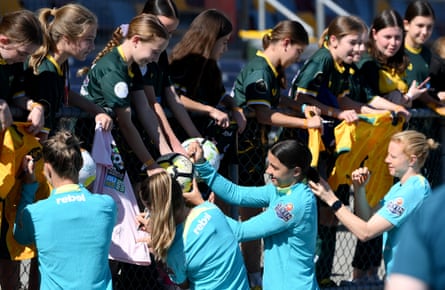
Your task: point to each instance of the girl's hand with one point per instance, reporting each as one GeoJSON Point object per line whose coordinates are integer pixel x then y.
{"type": "Point", "coordinates": [350, 116]}
{"type": "Point", "coordinates": [195, 152]}
{"type": "Point", "coordinates": [402, 111]}
{"type": "Point", "coordinates": [37, 118]}
{"type": "Point", "coordinates": [143, 221]}
{"type": "Point", "coordinates": [221, 118]}
{"type": "Point", "coordinates": [310, 111]}
{"type": "Point", "coordinates": [360, 177]}
{"type": "Point", "coordinates": [105, 121]}
{"type": "Point", "coordinates": [323, 191]}
{"type": "Point", "coordinates": [28, 169]}
{"type": "Point", "coordinates": [415, 91]}
{"type": "Point", "coordinates": [314, 122]}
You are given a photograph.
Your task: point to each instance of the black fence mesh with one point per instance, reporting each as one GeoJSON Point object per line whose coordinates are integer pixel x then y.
{"type": "Point", "coordinates": [115, 12]}
{"type": "Point", "coordinates": [154, 277]}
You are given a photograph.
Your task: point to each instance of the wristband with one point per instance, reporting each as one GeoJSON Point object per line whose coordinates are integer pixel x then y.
{"type": "Point", "coordinates": [305, 126]}
{"type": "Point", "coordinates": [147, 164]}
{"type": "Point", "coordinates": [336, 205]}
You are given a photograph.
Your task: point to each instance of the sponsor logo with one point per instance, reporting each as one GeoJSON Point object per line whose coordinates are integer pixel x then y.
{"type": "Point", "coordinates": [284, 211]}
{"type": "Point", "coordinates": [202, 223]}
{"type": "Point", "coordinates": [396, 206]}
{"type": "Point", "coordinates": [71, 198]}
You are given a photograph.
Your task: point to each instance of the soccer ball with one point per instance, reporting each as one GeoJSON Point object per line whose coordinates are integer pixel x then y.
{"type": "Point", "coordinates": [179, 167]}
{"type": "Point", "coordinates": [87, 173]}
{"type": "Point", "coordinates": [211, 152]}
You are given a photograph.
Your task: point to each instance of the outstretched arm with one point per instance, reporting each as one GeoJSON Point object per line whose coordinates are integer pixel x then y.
{"type": "Point", "coordinates": [228, 191]}
{"type": "Point", "coordinates": [86, 105]}
{"type": "Point", "coordinates": [221, 118]}
{"type": "Point", "coordinates": [364, 230]}
{"type": "Point", "coordinates": [267, 116]}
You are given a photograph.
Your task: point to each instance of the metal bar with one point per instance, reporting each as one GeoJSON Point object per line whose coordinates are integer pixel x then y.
{"type": "Point", "coordinates": [291, 15]}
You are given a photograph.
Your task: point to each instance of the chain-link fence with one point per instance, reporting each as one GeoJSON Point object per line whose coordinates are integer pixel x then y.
{"type": "Point", "coordinates": [154, 277]}
{"type": "Point", "coordinates": [115, 12]}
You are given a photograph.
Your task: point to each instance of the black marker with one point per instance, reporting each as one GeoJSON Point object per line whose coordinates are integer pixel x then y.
{"type": "Point", "coordinates": [146, 217]}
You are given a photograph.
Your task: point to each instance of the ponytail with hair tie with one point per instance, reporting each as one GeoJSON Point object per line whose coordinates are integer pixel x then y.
{"type": "Point", "coordinates": [124, 29]}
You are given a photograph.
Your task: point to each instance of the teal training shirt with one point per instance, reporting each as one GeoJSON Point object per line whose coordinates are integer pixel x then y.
{"type": "Point", "coordinates": [397, 206]}
{"type": "Point", "coordinates": [72, 232]}
{"type": "Point", "coordinates": [206, 252]}
{"type": "Point", "coordinates": [288, 226]}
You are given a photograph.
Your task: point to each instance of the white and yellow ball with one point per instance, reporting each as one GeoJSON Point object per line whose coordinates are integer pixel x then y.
{"type": "Point", "coordinates": [179, 167]}
{"type": "Point", "coordinates": [211, 152]}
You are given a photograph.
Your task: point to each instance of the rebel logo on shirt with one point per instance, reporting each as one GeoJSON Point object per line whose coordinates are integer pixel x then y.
{"type": "Point", "coordinates": [202, 223]}
{"type": "Point", "coordinates": [71, 198]}
{"type": "Point", "coordinates": [121, 90]}
{"type": "Point", "coordinates": [396, 206]}
{"type": "Point", "coordinates": [283, 211]}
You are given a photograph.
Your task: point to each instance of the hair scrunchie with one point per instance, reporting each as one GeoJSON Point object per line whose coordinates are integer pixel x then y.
{"type": "Point", "coordinates": [124, 29]}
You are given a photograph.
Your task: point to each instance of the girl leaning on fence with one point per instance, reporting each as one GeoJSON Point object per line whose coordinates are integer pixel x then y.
{"type": "Point", "coordinates": [115, 87]}
{"type": "Point", "coordinates": [69, 31]}
{"type": "Point", "coordinates": [257, 90]}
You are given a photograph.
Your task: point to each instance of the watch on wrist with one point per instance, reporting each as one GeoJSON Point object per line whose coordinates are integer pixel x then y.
{"type": "Point", "coordinates": [336, 205]}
